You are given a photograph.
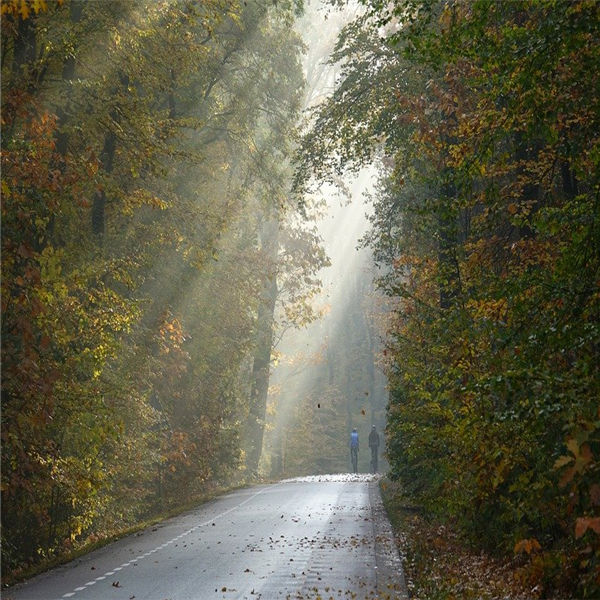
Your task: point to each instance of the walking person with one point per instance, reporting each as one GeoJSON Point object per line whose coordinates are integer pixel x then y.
{"type": "Point", "coordinates": [354, 450]}
{"type": "Point", "coordinates": [374, 445]}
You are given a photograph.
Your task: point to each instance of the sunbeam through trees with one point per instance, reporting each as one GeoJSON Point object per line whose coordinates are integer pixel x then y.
{"type": "Point", "coordinates": [233, 231]}
{"type": "Point", "coordinates": [150, 247]}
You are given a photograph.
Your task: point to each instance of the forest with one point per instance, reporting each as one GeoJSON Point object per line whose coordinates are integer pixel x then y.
{"type": "Point", "coordinates": [161, 168]}
{"type": "Point", "coordinates": [485, 118]}
{"type": "Point", "coordinates": [150, 250]}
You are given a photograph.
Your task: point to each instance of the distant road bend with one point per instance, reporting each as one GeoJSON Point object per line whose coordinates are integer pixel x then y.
{"type": "Point", "coordinates": [314, 537]}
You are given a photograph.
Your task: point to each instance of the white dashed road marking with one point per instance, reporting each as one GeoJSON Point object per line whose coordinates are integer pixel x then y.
{"type": "Point", "coordinates": [164, 545]}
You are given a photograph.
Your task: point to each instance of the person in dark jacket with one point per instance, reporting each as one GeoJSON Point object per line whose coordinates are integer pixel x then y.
{"type": "Point", "coordinates": [374, 445]}
{"type": "Point", "coordinates": [354, 450]}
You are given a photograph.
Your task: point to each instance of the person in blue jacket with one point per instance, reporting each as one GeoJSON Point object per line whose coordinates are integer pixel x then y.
{"type": "Point", "coordinates": [374, 445]}
{"type": "Point", "coordinates": [354, 449]}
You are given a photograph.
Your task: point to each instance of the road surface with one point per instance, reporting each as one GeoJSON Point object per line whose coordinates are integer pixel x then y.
{"type": "Point", "coordinates": [310, 538]}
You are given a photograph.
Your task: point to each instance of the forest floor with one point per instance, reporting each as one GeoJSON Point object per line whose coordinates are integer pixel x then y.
{"type": "Point", "coordinates": [440, 565]}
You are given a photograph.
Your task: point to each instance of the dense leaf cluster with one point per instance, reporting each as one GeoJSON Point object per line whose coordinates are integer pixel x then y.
{"type": "Point", "coordinates": [149, 250]}
{"type": "Point", "coordinates": [486, 118]}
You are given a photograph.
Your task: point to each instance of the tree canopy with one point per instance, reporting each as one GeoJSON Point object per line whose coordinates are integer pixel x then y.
{"type": "Point", "coordinates": [484, 119]}
{"type": "Point", "coordinates": [150, 249]}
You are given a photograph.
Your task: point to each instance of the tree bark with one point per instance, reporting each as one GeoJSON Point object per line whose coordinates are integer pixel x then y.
{"type": "Point", "coordinates": [269, 236]}
{"type": "Point", "coordinates": [25, 46]}
{"type": "Point", "coordinates": [570, 187]}
{"type": "Point", "coordinates": [99, 204]}
{"type": "Point", "coordinates": [107, 162]}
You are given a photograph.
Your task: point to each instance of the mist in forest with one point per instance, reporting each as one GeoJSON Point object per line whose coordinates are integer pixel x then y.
{"type": "Point", "coordinates": [187, 303]}
{"type": "Point", "coordinates": [325, 376]}
{"type": "Point", "coordinates": [160, 273]}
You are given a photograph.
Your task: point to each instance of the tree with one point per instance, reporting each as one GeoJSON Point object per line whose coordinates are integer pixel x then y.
{"type": "Point", "coordinates": [486, 217]}
{"type": "Point", "coordinates": [144, 146]}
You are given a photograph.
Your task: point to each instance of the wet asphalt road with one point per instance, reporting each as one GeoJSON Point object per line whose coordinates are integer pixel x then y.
{"type": "Point", "coordinates": [311, 538]}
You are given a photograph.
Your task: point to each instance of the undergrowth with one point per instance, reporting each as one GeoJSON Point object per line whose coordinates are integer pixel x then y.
{"type": "Point", "coordinates": [441, 564]}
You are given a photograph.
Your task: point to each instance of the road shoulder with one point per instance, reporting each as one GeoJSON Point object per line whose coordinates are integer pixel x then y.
{"type": "Point", "coordinates": [390, 574]}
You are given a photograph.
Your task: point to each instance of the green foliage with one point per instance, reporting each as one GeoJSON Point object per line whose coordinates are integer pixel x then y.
{"type": "Point", "coordinates": [487, 219]}
{"type": "Point", "coordinates": [144, 144]}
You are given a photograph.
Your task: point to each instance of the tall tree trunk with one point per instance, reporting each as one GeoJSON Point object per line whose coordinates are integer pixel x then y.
{"type": "Point", "coordinates": [107, 162]}
{"type": "Point", "coordinates": [570, 187]}
{"type": "Point", "coordinates": [99, 203]}
{"type": "Point", "coordinates": [25, 45]}
{"type": "Point", "coordinates": [370, 364]}
{"type": "Point", "coordinates": [68, 74]}
{"type": "Point", "coordinates": [269, 236]}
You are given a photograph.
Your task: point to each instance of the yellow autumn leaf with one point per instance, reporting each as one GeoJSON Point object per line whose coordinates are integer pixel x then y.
{"type": "Point", "coordinates": [24, 10]}
{"type": "Point", "coordinates": [39, 5]}
{"type": "Point", "coordinates": [573, 446]}
{"type": "Point", "coordinates": [562, 461]}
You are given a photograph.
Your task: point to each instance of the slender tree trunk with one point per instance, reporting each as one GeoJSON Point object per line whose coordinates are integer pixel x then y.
{"type": "Point", "coordinates": [25, 47]}
{"type": "Point", "coordinates": [570, 187]}
{"type": "Point", "coordinates": [262, 357]}
{"type": "Point", "coordinates": [99, 203]}
{"type": "Point", "coordinates": [370, 365]}
{"type": "Point", "coordinates": [107, 162]}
